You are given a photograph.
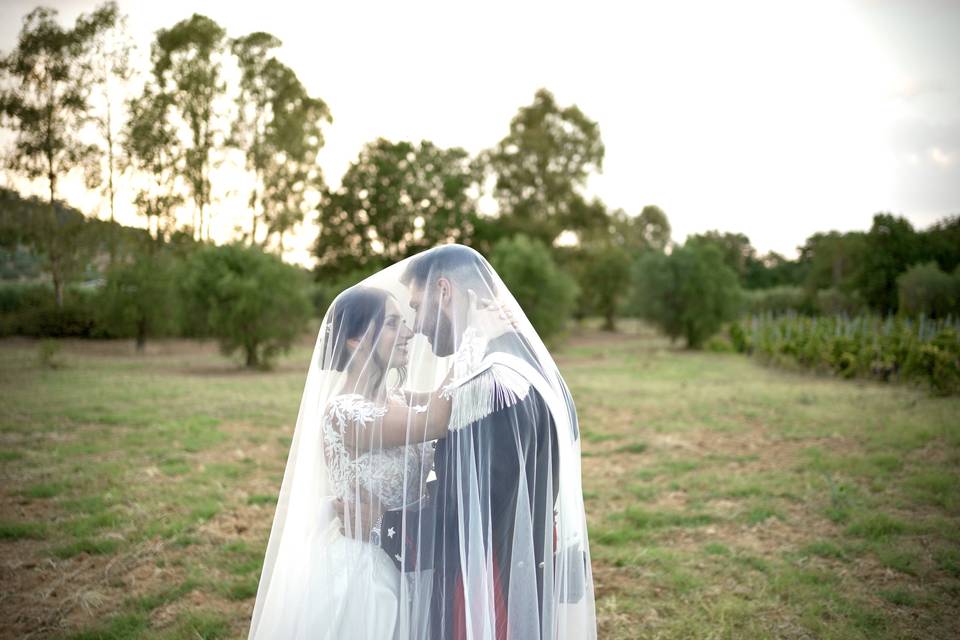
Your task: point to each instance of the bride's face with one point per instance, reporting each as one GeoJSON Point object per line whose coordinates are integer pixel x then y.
{"type": "Point", "coordinates": [393, 348]}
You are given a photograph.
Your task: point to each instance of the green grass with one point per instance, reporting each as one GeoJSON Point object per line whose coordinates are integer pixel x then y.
{"type": "Point", "coordinates": [22, 530]}
{"type": "Point", "coordinates": [634, 448]}
{"type": "Point", "coordinates": [782, 495]}
{"type": "Point", "coordinates": [44, 490]}
{"type": "Point", "coordinates": [936, 487]}
{"type": "Point", "coordinates": [900, 597]}
{"type": "Point", "coordinates": [824, 549]}
{"type": "Point", "coordinates": [138, 455]}
{"type": "Point", "coordinates": [761, 513]}
{"type": "Point", "coordinates": [725, 499]}
{"type": "Point", "coordinates": [88, 546]}
{"type": "Point", "coordinates": [876, 526]}
{"type": "Point", "coordinates": [648, 519]}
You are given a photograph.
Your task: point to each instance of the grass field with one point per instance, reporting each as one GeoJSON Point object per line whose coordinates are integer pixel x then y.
{"type": "Point", "coordinates": [725, 499]}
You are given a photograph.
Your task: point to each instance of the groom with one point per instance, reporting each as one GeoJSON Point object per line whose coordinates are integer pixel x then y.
{"type": "Point", "coordinates": [506, 461]}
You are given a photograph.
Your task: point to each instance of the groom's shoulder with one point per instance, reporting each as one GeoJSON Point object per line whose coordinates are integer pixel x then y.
{"type": "Point", "coordinates": [518, 346]}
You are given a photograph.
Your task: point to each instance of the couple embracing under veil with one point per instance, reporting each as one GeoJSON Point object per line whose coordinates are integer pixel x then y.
{"type": "Point", "coordinates": [432, 489]}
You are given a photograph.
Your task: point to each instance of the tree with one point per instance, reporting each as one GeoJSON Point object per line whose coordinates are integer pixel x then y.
{"type": "Point", "coordinates": [604, 281]}
{"type": "Point", "coordinates": [647, 231]}
{"type": "Point", "coordinates": [690, 293]}
{"type": "Point", "coordinates": [773, 270]}
{"type": "Point", "coordinates": [924, 289]}
{"type": "Point", "coordinates": [396, 199]}
{"type": "Point", "coordinates": [152, 148]}
{"type": "Point", "coordinates": [735, 248]}
{"type": "Point", "coordinates": [831, 260]}
{"type": "Point", "coordinates": [545, 292]}
{"type": "Point", "coordinates": [941, 242]}
{"type": "Point", "coordinates": [111, 73]}
{"type": "Point", "coordinates": [139, 295]}
{"type": "Point", "coordinates": [600, 260]}
{"type": "Point", "coordinates": [278, 129]}
{"type": "Point", "coordinates": [250, 300]}
{"type": "Point", "coordinates": [47, 103]}
{"type": "Point", "coordinates": [61, 236]}
{"type": "Point", "coordinates": [186, 62]}
{"type": "Point", "coordinates": [540, 166]}
{"type": "Point", "coordinates": [890, 247]}
{"type": "Point", "coordinates": [590, 222]}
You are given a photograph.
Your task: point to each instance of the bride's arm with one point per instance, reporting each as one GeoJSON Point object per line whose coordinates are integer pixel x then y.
{"type": "Point", "coordinates": [404, 423]}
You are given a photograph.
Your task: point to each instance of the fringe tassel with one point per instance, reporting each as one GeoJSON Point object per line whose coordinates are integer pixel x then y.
{"type": "Point", "coordinates": [496, 388]}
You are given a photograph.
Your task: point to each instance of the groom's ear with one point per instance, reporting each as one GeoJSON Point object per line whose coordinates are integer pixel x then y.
{"type": "Point", "coordinates": [444, 291]}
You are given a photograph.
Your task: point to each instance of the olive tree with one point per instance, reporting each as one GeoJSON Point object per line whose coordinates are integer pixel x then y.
{"type": "Point", "coordinates": [251, 301]}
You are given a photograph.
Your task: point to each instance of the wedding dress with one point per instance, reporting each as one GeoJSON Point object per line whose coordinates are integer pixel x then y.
{"type": "Point", "coordinates": [352, 585]}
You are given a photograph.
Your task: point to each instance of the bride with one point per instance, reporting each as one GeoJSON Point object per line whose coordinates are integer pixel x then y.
{"type": "Point", "coordinates": [352, 585]}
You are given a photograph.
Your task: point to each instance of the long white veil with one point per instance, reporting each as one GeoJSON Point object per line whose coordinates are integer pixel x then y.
{"type": "Point", "coordinates": [433, 487]}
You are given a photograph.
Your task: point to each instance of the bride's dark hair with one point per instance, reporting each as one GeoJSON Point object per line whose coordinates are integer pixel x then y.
{"type": "Point", "coordinates": [354, 311]}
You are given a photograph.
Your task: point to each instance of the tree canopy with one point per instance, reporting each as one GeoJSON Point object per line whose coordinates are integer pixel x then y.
{"type": "Point", "coordinates": [541, 165]}
{"type": "Point", "coordinates": [395, 199]}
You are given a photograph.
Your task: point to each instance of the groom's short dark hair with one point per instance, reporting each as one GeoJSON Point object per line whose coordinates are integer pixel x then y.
{"type": "Point", "coordinates": [464, 266]}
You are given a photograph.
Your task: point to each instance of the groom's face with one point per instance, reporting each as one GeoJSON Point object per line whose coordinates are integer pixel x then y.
{"type": "Point", "coordinates": [431, 304]}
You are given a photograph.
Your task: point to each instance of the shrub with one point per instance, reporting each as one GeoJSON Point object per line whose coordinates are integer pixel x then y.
{"type": "Point", "coordinates": [833, 301]}
{"type": "Point", "coordinates": [545, 292]}
{"type": "Point", "coordinates": [43, 318]}
{"type": "Point", "coordinates": [868, 346]}
{"type": "Point", "coordinates": [17, 296]}
{"type": "Point", "coordinates": [778, 300]}
{"type": "Point", "coordinates": [48, 354]}
{"type": "Point", "coordinates": [689, 293]}
{"type": "Point", "coordinates": [602, 273]}
{"type": "Point", "coordinates": [139, 297]}
{"type": "Point", "coordinates": [250, 300]}
{"type": "Point", "coordinates": [926, 290]}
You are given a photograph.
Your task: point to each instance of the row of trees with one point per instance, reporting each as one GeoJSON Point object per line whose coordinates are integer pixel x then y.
{"type": "Point", "coordinates": [70, 100]}
{"type": "Point", "coordinates": [689, 292]}
{"type": "Point", "coordinates": [398, 198]}
{"type": "Point", "coordinates": [169, 138]}
{"type": "Point", "coordinates": [563, 253]}
{"type": "Point", "coordinates": [249, 300]}
{"type": "Point", "coordinates": [851, 271]}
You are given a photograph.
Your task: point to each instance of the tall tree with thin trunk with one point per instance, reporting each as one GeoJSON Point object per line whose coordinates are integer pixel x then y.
{"type": "Point", "coordinates": [152, 148]}
{"type": "Point", "coordinates": [278, 129]}
{"type": "Point", "coordinates": [187, 61]}
{"type": "Point", "coordinates": [112, 72]}
{"type": "Point", "coordinates": [46, 102]}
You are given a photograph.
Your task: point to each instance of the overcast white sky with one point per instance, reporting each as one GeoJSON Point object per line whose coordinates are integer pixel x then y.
{"type": "Point", "coordinates": [774, 119]}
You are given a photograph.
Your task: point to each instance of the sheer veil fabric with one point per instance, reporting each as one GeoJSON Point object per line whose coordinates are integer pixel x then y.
{"type": "Point", "coordinates": [433, 487]}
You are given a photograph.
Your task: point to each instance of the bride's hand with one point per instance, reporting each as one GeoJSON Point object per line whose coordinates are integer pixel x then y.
{"type": "Point", "coordinates": [369, 510]}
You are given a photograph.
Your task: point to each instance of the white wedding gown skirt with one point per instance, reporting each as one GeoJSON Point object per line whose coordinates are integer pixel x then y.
{"type": "Point", "coordinates": [338, 589]}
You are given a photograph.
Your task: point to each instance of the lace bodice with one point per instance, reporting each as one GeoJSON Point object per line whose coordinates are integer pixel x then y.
{"type": "Point", "coordinates": [396, 475]}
